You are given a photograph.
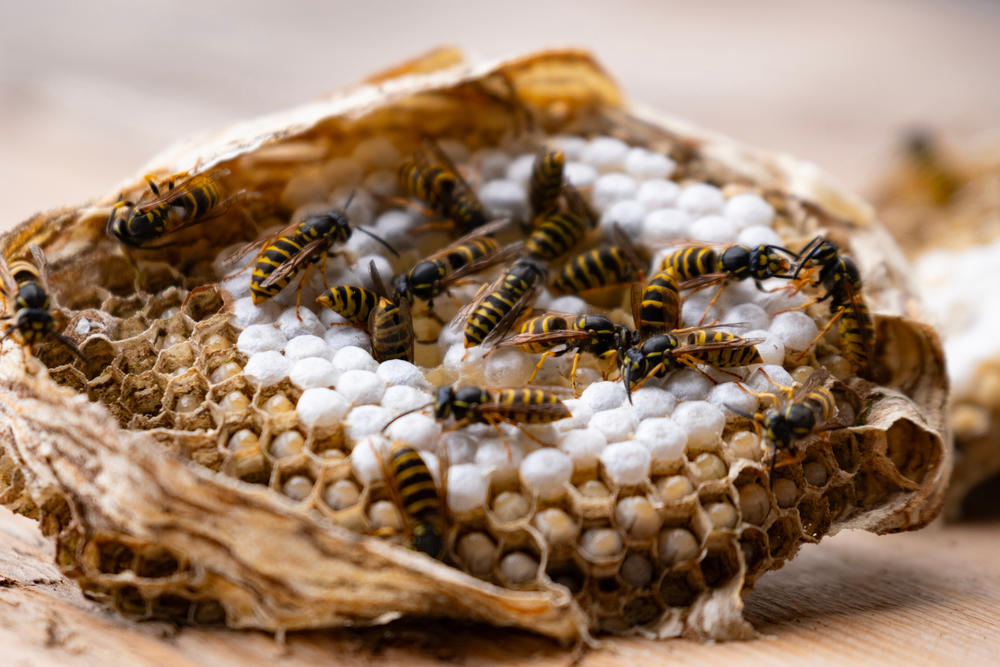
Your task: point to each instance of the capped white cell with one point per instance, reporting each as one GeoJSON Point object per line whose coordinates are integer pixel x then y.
{"type": "Point", "coordinates": [368, 457]}
{"type": "Point", "coordinates": [493, 456]}
{"type": "Point", "coordinates": [616, 424]}
{"type": "Point", "coordinates": [339, 337]}
{"type": "Point", "coordinates": [504, 197]}
{"type": "Point", "coordinates": [657, 193]}
{"type": "Point", "coordinates": [572, 146]}
{"type": "Point", "coordinates": [728, 394]}
{"type": "Point", "coordinates": [313, 372]}
{"type": "Point", "coordinates": [308, 345]}
{"type": "Point", "coordinates": [775, 300]}
{"type": "Point", "coordinates": [581, 414]}
{"type": "Point", "coordinates": [603, 395]}
{"type": "Point", "coordinates": [400, 371]}
{"type": "Point", "coordinates": [461, 447]}
{"type": "Point", "coordinates": [666, 224]}
{"type": "Point", "coordinates": [626, 463]}
{"type": "Point", "coordinates": [638, 517]}
{"type": "Point", "coordinates": [760, 384]}
{"type": "Point", "coordinates": [688, 385]}
{"type": "Point", "coordinates": [418, 430]}
{"type": "Point", "coordinates": [652, 402]}
{"type": "Point", "coordinates": [645, 164]}
{"type": "Point", "coordinates": [751, 314]}
{"type": "Point", "coordinates": [292, 326]}
{"type": "Point", "coordinates": [568, 303]}
{"type": "Point", "coordinates": [756, 235]}
{"type": "Point", "coordinates": [508, 367]}
{"type": "Point", "coordinates": [354, 358]}
{"type": "Point", "coordinates": [702, 421]}
{"type": "Point", "coordinates": [601, 543]}
{"type": "Point", "coordinates": [701, 199]}
{"type": "Point", "coordinates": [627, 214]}
{"type": "Point", "coordinates": [468, 485]}
{"type": "Point", "coordinates": [663, 437]}
{"type": "Point", "coordinates": [583, 446]}
{"type": "Point", "coordinates": [458, 357]}
{"type": "Point", "coordinates": [382, 266]}
{"type": "Point", "coordinates": [376, 151]}
{"type": "Point", "coordinates": [605, 153]}
{"type": "Point", "coordinates": [713, 229]}
{"type": "Point", "coordinates": [491, 163]}
{"type": "Point", "coordinates": [693, 309]}
{"type": "Point", "coordinates": [771, 351]}
{"type": "Point", "coordinates": [400, 398]}
{"type": "Point", "coordinates": [794, 329]}
{"type": "Point", "coordinates": [748, 210]}
{"type": "Point", "coordinates": [245, 313]}
{"type": "Point", "coordinates": [361, 387]}
{"type": "Point", "coordinates": [579, 174]}
{"type": "Point", "coordinates": [321, 408]}
{"type": "Point", "coordinates": [611, 188]}
{"type": "Point", "coordinates": [365, 420]}
{"type": "Point", "coordinates": [266, 368]}
{"type": "Point", "coordinates": [520, 168]}
{"type": "Point", "coordinates": [546, 471]}
{"type": "Point", "coordinates": [394, 226]}
{"type": "Point", "coordinates": [261, 338]}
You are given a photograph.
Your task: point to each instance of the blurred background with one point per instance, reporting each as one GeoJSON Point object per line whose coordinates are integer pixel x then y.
{"type": "Point", "coordinates": [89, 91]}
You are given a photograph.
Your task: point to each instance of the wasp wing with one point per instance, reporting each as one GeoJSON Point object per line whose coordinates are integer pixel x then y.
{"type": "Point", "coordinates": [298, 261]}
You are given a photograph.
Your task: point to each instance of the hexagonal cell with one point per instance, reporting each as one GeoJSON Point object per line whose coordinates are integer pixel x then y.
{"type": "Point", "coordinates": [208, 612]}
{"type": "Point", "coordinates": [124, 307]}
{"type": "Point", "coordinates": [841, 501]}
{"type": "Point", "coordinates": [871, 487]}
{"type": "Point", "coordinates": [567, 573]}
{"type": "Point", "coordinates": [156, 563]}
{"type": "Point", "coordinates": [202, 302]}
{"type": "Point", "coordinates": [476, 553]}
{"type": "Point", "coordinates": [814, 514]}
{"type": "Point", "coordinates": [519, 568]}
{"type": "Point", "coordinates": [68, 376]}
{"type": "Point", "coordinates": [101, 354]}
{"type": "Point", "coordinates": [186, 393]}
{"type": "Point", "coordinates": [679, 588]}
{"type": "Point", "coordinates": [170, 607]}
{"type": "Point", "coordinates": [295, 483]}
{"type": "Point", "coordinates": [175, 360]}
{"type": "Point", "coordinates": [755, 502]}
{"type": "Point", "coordinates": [845, 451]}
{"type": "Point", "coordinates": [783, 537]}
{"type": "Point", "coordinates": [815, 470]}
{"type": "Point", "coordinates": [638, 569]}
{"type": "Point", "coordinates": [56, 515]}
{"type": "Point", "coordinates": [756, 552]}
{"type": "Point", "coordinates": [641, 610]}
{"type": "Point", "coordinates": [720, 564]}
{"type": "Point", "coordinates": [86, 298]}
{"type": "Point", "coordinates": [128, 602]}
{"type": "Point", "coordinates": [142, 394]}
{"type": "Point", "coordinates": [906, 447]}
{"type": "Point", "coordinates": [136, 358]}
{"type": "Point", "coordinates": [170, 298]}
{"type": "Point", "coordinates": [54, 354]}
{"type": "Point", "coordinates": [114, 557]}
{"type": "Point", "coordinates": [130, 327]}
{"type": "Point", "coordinates": [786, 491]}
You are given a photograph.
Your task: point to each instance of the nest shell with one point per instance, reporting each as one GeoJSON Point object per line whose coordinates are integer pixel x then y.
{"type": "Point", "coordinates": [192, 544]}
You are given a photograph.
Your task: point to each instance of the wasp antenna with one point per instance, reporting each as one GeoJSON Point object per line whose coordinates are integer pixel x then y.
{"type": "Point", "coordinates": [350, 198]}
{"type": "Point", "coordinates": [741, 413]}
{"type": "Point", "coordinates": [408, 412]}
{"type": "Point", "coordinates": [380, 240]}
{"type": "Point", "coordinates": [72, 346]}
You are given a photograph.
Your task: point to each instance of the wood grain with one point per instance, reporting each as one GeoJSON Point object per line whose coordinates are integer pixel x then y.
{"type": "Point", "coordinates": [931, 597]}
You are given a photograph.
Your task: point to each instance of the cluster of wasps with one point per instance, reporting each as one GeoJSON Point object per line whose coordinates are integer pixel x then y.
{"type": "Point", "coordinates": [560, 219]}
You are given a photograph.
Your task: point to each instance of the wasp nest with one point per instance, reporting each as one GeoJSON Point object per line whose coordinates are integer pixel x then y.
{"type": "Point", "coordinates": [213, 460]}
{"type": "Point", "coordinates": [945, 209]}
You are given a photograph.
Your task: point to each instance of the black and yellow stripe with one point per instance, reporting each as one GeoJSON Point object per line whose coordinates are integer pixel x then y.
{"type": "Point", "coordinates": [421, 502]}
{"type": "Point", "coordinates": [521, 405]}
{"type": "Point", "coordinates": [391, 331]}
{"type": "Point", "coordinates": [659, 305]}
{"type": "Point", "coordinates": [441, 190]}
{"type": "Point", "coordinates": [736, 355]}
{"type": "Point", "coordinates": [546, 181]}
{"type": "Point", "coordinates": [281, 251]}
{"type": "Point", "coordinates": [556, 234]}
{"type": "Point", "coordinates": [856, 331]}
{"type": "Point", "coordinates": [523, 276]}
{"type": "Point", "coordinates": [539, 325]}
{"type": "Point", "coordinates": [353, 303]}
{"type": "Point", "coordinates": [690, 263]}
{"type": "Point", "coordinates": [600, 267]}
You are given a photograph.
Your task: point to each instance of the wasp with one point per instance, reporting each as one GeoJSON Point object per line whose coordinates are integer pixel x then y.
{"type": "Point", "coordinates": [840, 277]}
{"type": "Point", "coordinates": [591, 334]}
{"type": "Point", "coordinates": [176, 206]}
{"type": "Point", "coordinates": [660, 354]}
{"type": "Point", "coordinates": [603, 267]}
{"type": "Point", "coordinates": [797, 417]}
{"type": "Point", "coordinates": [442, 188]}
{"type": "Point", "coordinates": [498, 304]}
{"type": "Point", "coordinates": [390, 324]}
{"type": "Point", "coordinates": [558, 231]}
{"type": "Point", "coordinates": [925, 160]}
{"type": "Point", "coordinates": [656, 305]}
{"type": "Point", "coordinates": [296, 247]}
{"type": "Point", "coordinates": [28, 284]}
{"type": "Point", "coordinates": [415, 493]}
{"type": "Point", "coordinates": [546, 182]}
{"type": "Point", "coordinates": [354, 303]}
{"type": "Point", "coordinates": [431, 277]}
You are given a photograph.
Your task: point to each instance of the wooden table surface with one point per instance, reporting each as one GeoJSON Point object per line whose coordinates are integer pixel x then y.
{"type": "Point", "coordinates": [931, 597]}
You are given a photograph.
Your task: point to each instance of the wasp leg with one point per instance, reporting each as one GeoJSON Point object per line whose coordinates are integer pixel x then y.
{"type": "Point", "coordinates": [538, 366]}
{"type": "Point", "coordinates": [822, 332]}
{"type": "Point", "coordinates": [572, 374]}
{"type": "Point", "coordinates": [298, 290]}
{"type": "Point", "coordinates": [712, 302]}
{"type": "Point", "coordinates": [494, 422]}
